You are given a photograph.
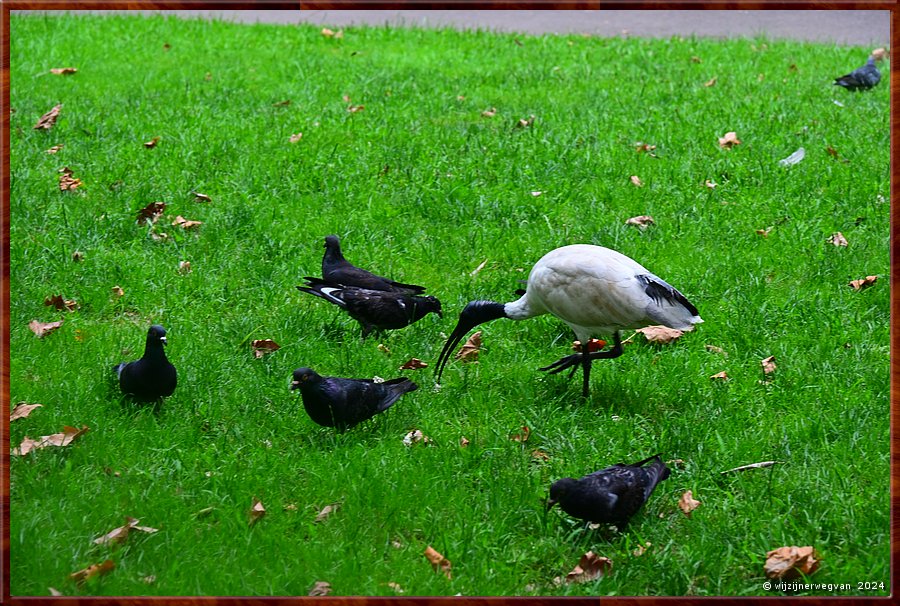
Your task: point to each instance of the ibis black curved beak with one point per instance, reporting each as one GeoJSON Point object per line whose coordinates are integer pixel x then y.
{"type": "Point", "coordinates": [475, 313]}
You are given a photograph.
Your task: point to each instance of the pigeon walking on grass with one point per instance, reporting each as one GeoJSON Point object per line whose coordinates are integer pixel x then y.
{"type": "Point", "coordinates": [153, 376]}
{"type": "Point", "coordinates": [612, 495]}
{"type": "Point", "coordinates": [862, 78]}
{"type": "Point", "coordinates": [343, 403]}
{"type": "Point", "coordinates": [337, 270]}
{"type": "Point", "coordinates": [374, 309]}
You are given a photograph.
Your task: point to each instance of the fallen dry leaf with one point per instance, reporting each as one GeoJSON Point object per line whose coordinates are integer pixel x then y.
{"type": "Point", "coordinates": [55, 592]}
{"type": "Point", "coordinates": [117, 535]}
{"type": "Point", "coordinates": [198, 197]}
{"type": "Point", "coordinates": [636, 181]}
{"type": "Point", "coordinates": [413, 364]}
{"type": "Point", "coordinates": [117, 291]}
{"type": "Point", "coordinates": [414, 437]}
{"type": "Point", "coordinates": [838, 239]}
{"type": "Point", "coordinates": [765, 232]}
{"type": "Point", "coordinates": [67, 181]}
{"type": "Point", "coordinates": [475, 271]}
{"type": "Point", "coordinates": [640, 147]}
{"type": "Point", "coordinates": [384, 349]}
{"type": "Point", "coordinates": [47, 121]}
{"type": "Point", "coordinates": [768, 365]}
{"type": "Point", "coordinates": [464, 441]}
{"type": "Point", "coordinates": [43, 328]}
{"type": "Point", "coordinates": [641, 221]}
{"type": "Point", "coordinates": [320, 588]}
{"type": "Point", "coordinates": [729, 140]}
{"type": "Point", "coordinates": [469, 351]}
{"type": "Point", "coordinates": [710, 184]}
{"type": "Point", "coordinates": [185, 224]}
{"type": "Point", "coordinates": [438, 561]}
{"type": "Point", "coordinates": [593, 345]}
{"type": "Point", "coordinates": [540, 455]}
{"type": "Point", "coordinates": [640, 549]}
{"type": "Point", "coordinates": [55, 148]}
{"type": "Point", "coordinates": [327, 511]}
{"type": "Point", "coordinates": [284, 103]}
{"type": "Point", "coordinates": [834, 154]}
{"type": "Point", "coordinates": [525, 122]}
{"type": "Point", "coordinates": [687, 503]}
{"type": "Point", "coordinates": [696, 59]}
{"type": "Point", "coordinates": [151, 143]}
{"type": "Point", "coordinates": [22, 410]}
{"type": "Point", "coordinates": [149, 579]}
{"type": "Point", "coordinates": [879, 54]}
{"type": "Point", "coordinates": [63, 438]}
{"type": "Point", "coordinates": [151, 212]}
{"type": "Point", "coordinates": [752, 466]}
{"type": "Point", "coordinates": [589, 567]}
{"type": "Point", "coordinates": [159, 237]}
{"type": "Point", "coordinates": [92, 571]}
{"type": "Point", "coordinates": [660, 334]}
{"type": "Point", "coordinates": [720, 375]}
{"type": "Point", "coordinates": [63, 71]}
{"type": "Point", "coordinates": [256, 512]}
{"type": "Point", "coordinates": [521, 435]}
{"type": "Point", "coordinates": [395, 587]}
{"type": "Point", "coordinates": [489, 113]}
{"type": "Point", "coordinates": [863, 283]}
{"type": "Point", "coordinates": [789, 562]}
{"type": "Point", "coordinates": [710, 83]}
{"type": "Point", "coordinates": [262, 347]}
{"type": "Point", "coordinates": [60, 304]}
{"type": "Point", "coordinates": [295, 137]}
{"type": "Point", "coordinates": [184, 267]}
{"type": "Point", "coordinates": [355, 108]}
{"type": "Point", "coordinates": [331, 34]}
{"type": "Point", "coordinates": [77, 256]}
{"type": "Point", "coordinates": [717, 350]}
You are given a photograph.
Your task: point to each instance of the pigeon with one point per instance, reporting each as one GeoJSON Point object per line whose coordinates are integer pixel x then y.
{"type": "Point", "coordinates": [374, 309]}
{"type": "Point", "coordinates": [864, 77]}
{"type": "Point", "coordinates": [609, 496]}
{"type": "Point", "coordinates": [343, 403]}
{"type": "Point", "coordinates": [337, 270]}
{"type": "Point", "coordinates": [153, 376]}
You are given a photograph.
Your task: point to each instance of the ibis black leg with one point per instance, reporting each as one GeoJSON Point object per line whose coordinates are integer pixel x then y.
{"type": "Point", "coordinates": [586, 368]}
{"type": "Point", "coordinates": [573, 360]}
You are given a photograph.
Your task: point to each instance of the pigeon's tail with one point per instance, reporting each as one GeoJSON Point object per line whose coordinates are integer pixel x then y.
{"type": "Point", "coordinates": [322, 289]}
{"type": "Point", "coordinates": [118, 368]}
{"type": "Point", "coordinates": [396, 388]}
{"type": "Point", "coordinates": [410, 288]}
{"type": "Point", "coordinates": [656, 471]}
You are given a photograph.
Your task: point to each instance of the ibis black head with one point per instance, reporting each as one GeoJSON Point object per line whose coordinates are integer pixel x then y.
{"type": "Point", "coordinates": [559, 489]}
{"type": "Point", "coordinates": [156, 334]}
{"type": "Point", "coordinates": [475, 313]}
{"type": "Point", "coordinates": [302, 376]}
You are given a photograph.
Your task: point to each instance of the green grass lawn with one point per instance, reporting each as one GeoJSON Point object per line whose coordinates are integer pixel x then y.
{"type": "Point", "coordinates": [423, 188]}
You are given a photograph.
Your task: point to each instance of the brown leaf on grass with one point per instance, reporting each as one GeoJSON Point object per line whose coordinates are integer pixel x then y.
{"type": "Point", "coordinates": [489, 113]}
{"type": "Point", "coordinates": [384, 349]}
{"type": "Point", "coordinates": [22, 410]}
{"type": "Point", "coordinates": [47, 121]}
{"type": "Point", "coordinates": [838, 239]}
{"type": "Point", "coordinates": [117, 291]}
{"type": "Point", "coordinates": [768, 365]}
{"type": "Point", "coordinates": [262, 347]}
{"type": "Point", "coordinates": [525, 122]}
{"type": "Point", "coordinates": [521, 435]}
{"type": "Point", "coordinates": [863, 282]}
{"type": "Point", "coordinates": [198, 197]}
{"type": "Point", "coordinates": [395, 587]}
{"type": "Point", "coordinates": [321, 588]}
{"type": "Point", "coordinates": [696, 59]}
{"type": "Point", "coordinates": [834, 154]}
{"type": "Point", "coordinates": [149, 579]}
{"type": "Point", "coordinates": [463, 442]}
{"type": "Point", "coordinates": [469, 351]}
{"type": "Point", "coordinates": [55, 148]}
{"type": "Point", "coordinates": [60, 304]}
{"type": "Point", "coordinates": [660, 334]}
{"type": "Point", "coordinates": [593, 345]}
{"type": "Point", "coordinates": [90, 572]}
{"type": "Point", "coordinates": [184, 267]}
{"type": "Point", "coordinates": [327, 511]}
{"type": "Point", "coordinates": [151, 212]}
{"type": "Point", "coordinates": [327, 33]}
{"type": "Point", "coordinates": [118, 535]}
{"type": "Point", "coordinates": [640, 549]}
{"type": "Point", "coordinates": [355, 108]}
{"type": "Point", "coordinates": [414, 437]}
{"type": "Point", "coordinates": [710, 184]}
{"type": "Point", "coordinates": [636, 181]}
{"type": "Point", "coordinates": [413, 364]}
{"type": "Point", "coordinates": [718, 350]}
{"type": "Point", "coordinates": [151, 143]}
{"type": "Point", "coordinates": [590, 567]}
{"type": "Point", "coordinates": [540, 455]}
{"type": "Point", "coordinates": [765, 232]}
{"type": "Point", "coordinates": [879, 54]}
{"type": "Point", "coordinates": [710, 83]}
{"type": "Point", "coordinates": [43, 328]}
{"type": "Point", "coordinates": [641, 147]}
{"type": "Point", "coordinates": [63, 71]}
{"type": "Point", "coordinates": [256, 512]}
{"type": "Point", "coordinates": [789, 562]}
{"type": "Point", "coordinates": [67, 181]}
{"type": "Point", "coordinates": [284, 103]}
{"type": "Point", "coordinates": [438, 562]}
{"type": "Point", "coordinates": [641, 221]}
{"type": "Point", "coordinates": [185, 224]}
{"type": "Point", "coordinates": [63, 438]}
{"type": "Point", "coordinates": [687, 503]}
{"type": "Point", "coordinates": [295, 137]}
{"type": "Point", "coordinates": [729, 140]}
{"type": "Point", "coordinates": [77, 256]}
{"type": "Point", "coordinates": [720, 375]}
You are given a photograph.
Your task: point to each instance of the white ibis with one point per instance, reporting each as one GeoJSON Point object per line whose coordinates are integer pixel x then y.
{"type": "Point", "coordinates": [596, 291]}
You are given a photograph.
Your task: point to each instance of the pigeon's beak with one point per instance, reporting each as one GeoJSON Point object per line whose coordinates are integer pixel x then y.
{"type": "Point", "coordinates": [551, 503]}
{"type": "Point", "coordinates": [295, 385]}
{"type": "Point", "coordinates": [163, 340]}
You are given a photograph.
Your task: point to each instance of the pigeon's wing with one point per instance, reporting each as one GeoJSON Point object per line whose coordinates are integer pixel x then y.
{"type": "Point", "coordinates": [384, 310]}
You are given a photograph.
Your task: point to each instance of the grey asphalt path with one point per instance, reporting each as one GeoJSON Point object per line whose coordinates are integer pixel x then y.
{"type": "Point", "coordinates": [852, 27]}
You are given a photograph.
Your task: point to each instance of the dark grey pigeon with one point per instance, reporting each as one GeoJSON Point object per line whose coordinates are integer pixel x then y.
{"type": "Point", "coordinates": [863, 78]}
{"type": "Point", "coordinates": [374, 309]}
{"type": "Point", "coordinates": [609, 496]}
{"type": "Point", "coordinates": [343, 403]}
{"type": "Point", "coordinates": [153, 376]}
{"type": "Point", "coordinates": [337, 270]}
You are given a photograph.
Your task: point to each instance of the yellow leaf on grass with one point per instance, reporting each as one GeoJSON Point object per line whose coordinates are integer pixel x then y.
{"type": "Point", "coordinates": [92, 571]}
{"type": "Point", "coordinates": [687, 503]}
{"type": "Point", "coordinates": [256, 511]}
{"type": "Point", "coordinates": [64, 438]}
{"type": "Point", "coordinates": [789, 562]}
{"type": "Point", "coordinates": [438, 562]}
{"type": "Point", "coordinates": [22, 410]}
